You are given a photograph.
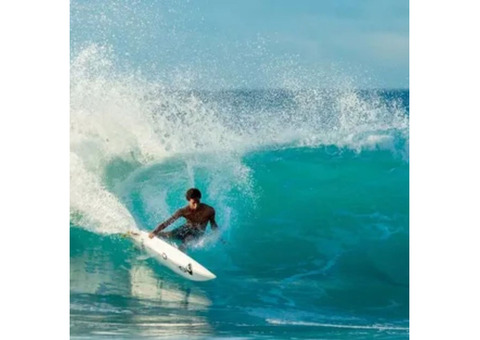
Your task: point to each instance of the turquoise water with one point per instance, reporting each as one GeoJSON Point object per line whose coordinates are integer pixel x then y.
{"type": "Point", "coordinates": [322, 250]}
{"type": "Point", "coordinates": [310, 189]}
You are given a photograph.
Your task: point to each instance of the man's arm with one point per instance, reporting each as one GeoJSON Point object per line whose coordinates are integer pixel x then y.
{"type": "Point", "coordinates": [161, 226]}
{"type": "Point", "coordinates": [214, 226]}
{"type": "Point", "coordinates": [213, 223]}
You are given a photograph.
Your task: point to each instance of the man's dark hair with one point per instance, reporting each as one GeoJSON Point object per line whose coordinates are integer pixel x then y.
{"type": "Point", "coordinates": [193, 193]}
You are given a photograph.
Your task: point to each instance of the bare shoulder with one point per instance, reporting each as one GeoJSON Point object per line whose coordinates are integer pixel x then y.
{"type": "Point", "coordinates": [181, 211]}
{"type": "Point", "coordinates": [208, 208]}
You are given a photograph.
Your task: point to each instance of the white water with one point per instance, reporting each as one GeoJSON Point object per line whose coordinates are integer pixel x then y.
{"type": "Point", "coordinates": [120, 115]}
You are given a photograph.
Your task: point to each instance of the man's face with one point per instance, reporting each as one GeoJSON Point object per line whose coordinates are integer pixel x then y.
{"type": "Point", "coordinates": [193, 203]}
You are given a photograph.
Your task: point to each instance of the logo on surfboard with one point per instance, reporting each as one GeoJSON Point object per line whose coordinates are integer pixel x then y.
{"type": "Point", "coordinates": [187, 269]}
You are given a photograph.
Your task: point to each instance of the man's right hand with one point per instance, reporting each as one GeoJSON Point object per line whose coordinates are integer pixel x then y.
{"type": "Point", "coordinates": [151, 235]}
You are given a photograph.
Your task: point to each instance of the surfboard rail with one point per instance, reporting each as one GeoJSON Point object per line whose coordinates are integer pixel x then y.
{"type": "Point", "coordinates": [171, 257]}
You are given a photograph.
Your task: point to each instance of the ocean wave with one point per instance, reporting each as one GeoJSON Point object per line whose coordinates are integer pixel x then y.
{"type": "Point", "coordinates": [121, 122]}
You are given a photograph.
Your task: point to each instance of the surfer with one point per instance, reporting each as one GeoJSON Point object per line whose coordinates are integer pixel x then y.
{"type": "Point", "coordinates": [197, 215]}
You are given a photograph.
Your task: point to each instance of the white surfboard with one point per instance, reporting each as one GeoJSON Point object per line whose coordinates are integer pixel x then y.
{"type": "Point", "coordinates": [171, 257]}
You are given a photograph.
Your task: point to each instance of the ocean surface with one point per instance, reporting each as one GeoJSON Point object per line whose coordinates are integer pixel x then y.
{"type": "Point", "coordinates": [311, 190]}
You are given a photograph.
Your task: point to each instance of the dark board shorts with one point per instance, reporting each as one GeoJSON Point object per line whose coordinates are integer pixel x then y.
{"type": "Point", "coordinates": [181, 233]}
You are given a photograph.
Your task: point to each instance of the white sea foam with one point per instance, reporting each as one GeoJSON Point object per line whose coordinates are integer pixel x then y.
{"type": "Point", "coordinates": [119, 115]}
{"type": "Point", "coordinates": [378, 327]}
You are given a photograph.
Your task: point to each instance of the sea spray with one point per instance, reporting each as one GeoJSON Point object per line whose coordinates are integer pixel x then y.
{"type": "Point", "coordinates": [120, 117]}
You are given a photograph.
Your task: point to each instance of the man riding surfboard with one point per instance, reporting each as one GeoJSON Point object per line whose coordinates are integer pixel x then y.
{"type": "Point", "coordinates": [197, 215]}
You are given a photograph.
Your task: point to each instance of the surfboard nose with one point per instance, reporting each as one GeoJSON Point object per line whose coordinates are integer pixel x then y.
{"type": "Point", "coordinates": [204, 277]}
{"type": "Point", "coordinates": [200, 273]}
